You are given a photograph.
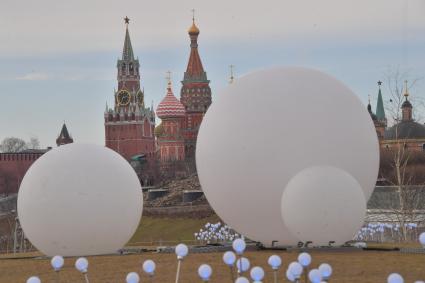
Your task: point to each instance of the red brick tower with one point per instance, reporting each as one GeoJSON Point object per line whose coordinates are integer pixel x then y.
{"type": "Point", "coordinates": [129, 126]}
{"type": "Point", "coordinates": [170, 132]}
{"type": "Point", "coordinates": [195, 93]}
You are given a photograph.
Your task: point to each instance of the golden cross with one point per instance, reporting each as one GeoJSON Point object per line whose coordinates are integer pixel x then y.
{"type": "Point", "coordinates": [193, 15]}
{"type": "Point", "coordinates": [168, 77]}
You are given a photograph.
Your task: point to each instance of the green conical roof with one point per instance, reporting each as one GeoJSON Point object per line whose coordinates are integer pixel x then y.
{"type": "Point", "coordinates": [127, 52]}
{"type": "Point", "coordinates": [380, 112]}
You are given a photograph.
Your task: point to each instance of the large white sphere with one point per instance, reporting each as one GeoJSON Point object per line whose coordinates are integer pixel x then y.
{"type": "Point", "coordinates": [265, 128]}
{"type": "Point", "coordinates": [80, 199]}
{"type": "Point", "coordinates": [323, 204]}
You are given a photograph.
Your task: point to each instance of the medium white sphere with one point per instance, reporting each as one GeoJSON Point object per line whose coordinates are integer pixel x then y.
{"type": "Point", "coordinates": [132, 277]}
{"type": "Point", "coordinates": [315, 276]}
{"type": "Point", "coordinates": [323, 204]}
{"type": "Point", "coordinates": [257, 273]}
{"type": "Point", "coordinates": [149, 266]}
{"type": "Point", "coordinates": [229, 258]}
{"type": "Point", "coordinates": [239, 246]}
{"type": "Point", "coordinates": [265, 128]}
{"type": "Point", "coordinates": [304, 259]}
{"type": "Point", "coordinates": [395, 278]}
{"type": "Point", "coordinates": [242, 264]}
{"type": "Point", "coordinates": [181, 251]}
{"type": "Point", "coordinates": [80, 199]}
{"type": "Point", "coordinates": [204, 272]}
{"type": "Point", "coordinates": [422, 239]}
{"type": "Point", "coordinates": [34, 279]}
{"type": "Point", "coordinates": [274, 261]}
{"type": "Point", "coordinates": [57, 262]}
{"type": "Point", "coordinates": [82, 264]}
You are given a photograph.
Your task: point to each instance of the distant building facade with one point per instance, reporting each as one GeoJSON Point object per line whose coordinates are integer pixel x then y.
{"type": "Point", "coordinates": [14, 165]}
{"type": "Point", "coordinates": [405, 132]}
{"type": "Point", "coordinates": [178, 132]}
{"type": "Point", "coordinates": [129, 125]}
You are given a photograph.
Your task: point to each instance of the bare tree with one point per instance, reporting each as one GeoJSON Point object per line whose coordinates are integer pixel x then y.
{"type": "Point", "coordinates": [13, 144]}
{"type": "Point", "coordinates": [398, 161]}
{"type": "Point", "coordinates": [34, 143]}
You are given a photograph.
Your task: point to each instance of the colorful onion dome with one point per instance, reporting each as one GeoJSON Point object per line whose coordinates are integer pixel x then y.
{"type": "Point", "coordinates": [170, 106]}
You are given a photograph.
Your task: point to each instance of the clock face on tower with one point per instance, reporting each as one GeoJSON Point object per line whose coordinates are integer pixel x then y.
{"type": "Point", "coordinates": [123, 98]}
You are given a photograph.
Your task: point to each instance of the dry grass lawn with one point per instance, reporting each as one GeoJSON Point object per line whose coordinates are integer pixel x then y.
{"type": "Point", "coordinates": [350, 266]}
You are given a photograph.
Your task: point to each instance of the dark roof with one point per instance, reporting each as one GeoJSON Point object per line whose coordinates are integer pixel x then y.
{"type": "Point", "coordinates": [64, 133]}
{"type": "Point", "coordinates": [406, 103]}
{"type": "Point", "coordinates": [405, 130]}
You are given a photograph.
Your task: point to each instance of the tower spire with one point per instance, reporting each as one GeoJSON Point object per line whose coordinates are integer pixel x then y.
{"type": "Point", "coordinates": [380, 111]}
{"type": "Point", "coordinates": [127, 53]}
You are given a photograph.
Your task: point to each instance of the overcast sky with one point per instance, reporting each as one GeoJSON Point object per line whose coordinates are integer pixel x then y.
{"type": "Point", "coordinates": [58, 58]}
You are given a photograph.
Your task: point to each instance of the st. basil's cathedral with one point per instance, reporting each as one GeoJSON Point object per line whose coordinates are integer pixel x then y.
{"type": "Point", "coordinates": [130, 125]}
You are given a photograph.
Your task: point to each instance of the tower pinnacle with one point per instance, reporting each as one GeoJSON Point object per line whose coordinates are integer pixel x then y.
{"type": "Point", "coordinates": [231, 74]}
{"type": "Point", "coordinates": [127, 52]}
{"type": "Point", "coordinates": [406, 90]}
{"type": "Point", "coordinates": [380, 111]}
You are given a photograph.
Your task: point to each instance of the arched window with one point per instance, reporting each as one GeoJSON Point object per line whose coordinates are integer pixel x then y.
{"type": "Point", "coordinates": [423, 147]}
{"type": "Point", "coordinates": [123, 68]}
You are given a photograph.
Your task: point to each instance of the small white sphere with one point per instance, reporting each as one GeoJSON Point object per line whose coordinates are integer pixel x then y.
{"type": "Point", "coordinates": [257, 273]}
{"type": "Point", "coordinates": [205, 271]}
{"type": "Point", "coordinates": [242, 280]}
{"type": "Point", "coordinates": [73, 196]}
{"type": "Point", "coordinates": [34, 279]}
{"type": "Point", "coordinates": [149, 266]}
{"type": "Point", "coordinates": [296, 269]}
{"type": "Point", "coordinates": [290, 276]}
{"type": "Point", "coordinates": [395, 278]}
{"type": "Point", "coordinates": [181, 251]}
{"type": "Point", "coordinates": [304, 259]}
{"type": "Point", "coordinates": [422, 239]}
{"type": "Point", "coordinates": [242, 264]}
{"type": "Point", "coordinates": [325, 270]}
{"type": "Point", "coordinates": [314, 276]}
{"type": "Point", "coordinates": [229, 258]}
{"type": "Point", "coordinates": [57, 262]}
{"type": "Point", "coordinates": [239, 246]}
{"type": "Point", "coordinates": [82, 264]}
{"type": "Point", "coordinates": [274, 261]}
{"type": "Point", "coordinates": [132, 277]}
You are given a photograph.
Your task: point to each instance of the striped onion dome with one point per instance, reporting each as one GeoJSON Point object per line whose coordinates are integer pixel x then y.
{"type": "Point", "coordinates": [170, 106]}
